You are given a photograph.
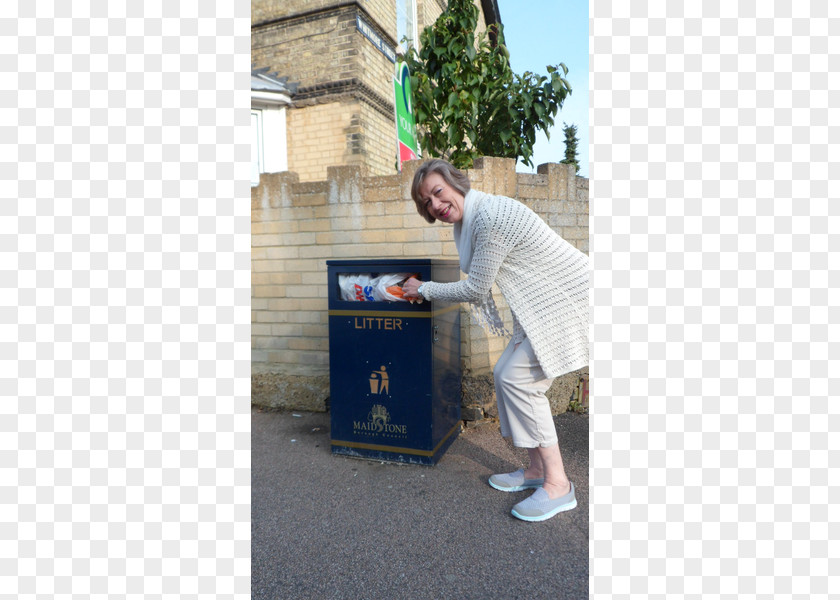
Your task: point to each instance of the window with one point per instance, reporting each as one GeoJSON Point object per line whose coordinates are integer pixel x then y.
{"type": "Point", "coordinates": [406, 23]}
{"type": "Point", "coordinates": [269, 98]}
{"type": "Point", "coordinates": [268, 142]}
{"type": "Point", "coordinates": [256, 147]}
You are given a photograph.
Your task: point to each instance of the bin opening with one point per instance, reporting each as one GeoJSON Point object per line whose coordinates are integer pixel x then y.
{"type": "Point", "coordinates": [373, 287]}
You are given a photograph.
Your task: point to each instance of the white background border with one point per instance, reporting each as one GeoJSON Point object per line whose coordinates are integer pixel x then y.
{"type": "Point", "coordinates": [124, 245]}
{"type": "Point", "coordinates": [714, 299]}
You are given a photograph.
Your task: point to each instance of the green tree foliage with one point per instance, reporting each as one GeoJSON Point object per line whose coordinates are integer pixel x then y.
{"type": "Point", "coordinates": [467, 100]}
{"type": "Point", "coordinates": [570, 131]}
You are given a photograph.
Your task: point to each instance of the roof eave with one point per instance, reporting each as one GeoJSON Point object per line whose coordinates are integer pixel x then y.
{"type": "Point", "coordinates": [263, 99]}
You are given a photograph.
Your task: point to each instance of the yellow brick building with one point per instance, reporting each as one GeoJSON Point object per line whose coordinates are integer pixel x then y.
{"type": "Point", "coordinates": [338, 59]}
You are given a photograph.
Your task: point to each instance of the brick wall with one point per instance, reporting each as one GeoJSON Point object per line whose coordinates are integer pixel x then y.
{"type": "Point", "coordinates": [324, 134]}
{"type": "Point", "coordinates": [266, 11]}
{"type": "Point", "coordinates": [297, 226]}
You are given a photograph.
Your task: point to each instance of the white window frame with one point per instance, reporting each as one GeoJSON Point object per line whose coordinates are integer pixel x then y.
{"type": "Point", "coordinates": [268, 116]}
{"type": "Point", "coordinates": [256, 146]}
{"type": "Point", "coordinates": [411, 34]}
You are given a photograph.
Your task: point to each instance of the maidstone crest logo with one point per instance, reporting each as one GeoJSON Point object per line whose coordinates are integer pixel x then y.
{"type": "Point", "coordinates": [379, 423]}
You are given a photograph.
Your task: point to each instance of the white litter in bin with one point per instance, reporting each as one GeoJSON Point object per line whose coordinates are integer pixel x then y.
{"type": "Point", "coordinates": [361, 287]}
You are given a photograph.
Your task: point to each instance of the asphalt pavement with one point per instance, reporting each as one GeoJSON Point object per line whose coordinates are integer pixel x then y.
{"type": "Point", "coordinates": [331, 527]}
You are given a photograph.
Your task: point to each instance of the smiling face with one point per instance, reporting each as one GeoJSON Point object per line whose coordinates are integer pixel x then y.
{"type": "Point", "coordinates": [441, 200]}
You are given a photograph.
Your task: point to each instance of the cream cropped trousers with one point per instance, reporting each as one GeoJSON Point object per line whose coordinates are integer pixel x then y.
{"type": "Point", "coordinates": [524, 411]}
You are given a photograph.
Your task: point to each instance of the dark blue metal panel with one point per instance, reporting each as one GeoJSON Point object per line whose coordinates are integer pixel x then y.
{"type": "Point", "coordinates": [395, 376]}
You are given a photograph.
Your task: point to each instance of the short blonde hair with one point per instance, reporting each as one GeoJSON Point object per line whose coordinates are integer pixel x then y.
{"type": "Point", "coordinates": [455, 178]}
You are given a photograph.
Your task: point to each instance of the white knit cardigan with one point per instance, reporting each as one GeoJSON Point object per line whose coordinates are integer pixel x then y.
{"type": "Point", "coordinates": [544, 279]}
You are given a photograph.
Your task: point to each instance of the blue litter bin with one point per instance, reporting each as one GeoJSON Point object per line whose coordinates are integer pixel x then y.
{"type": "Point", "coordinates": [395, 370]}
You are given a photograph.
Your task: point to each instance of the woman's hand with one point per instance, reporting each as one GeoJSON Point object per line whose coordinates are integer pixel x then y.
{"type": "Point", "coordinates": [410, 288]}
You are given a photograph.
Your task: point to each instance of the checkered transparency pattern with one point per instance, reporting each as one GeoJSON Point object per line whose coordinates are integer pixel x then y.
{"type": "Point", "coordinates": [714, 212]}
{"type": "Point", "coordinates": [124, 322]}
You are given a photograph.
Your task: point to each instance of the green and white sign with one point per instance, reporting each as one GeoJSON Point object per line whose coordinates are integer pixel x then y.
{"type": "Point", "coordinates": [406, 136]}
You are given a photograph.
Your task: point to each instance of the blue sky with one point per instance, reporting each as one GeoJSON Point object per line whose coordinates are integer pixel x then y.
{"type": "Point", "coordinates": [548, 32]}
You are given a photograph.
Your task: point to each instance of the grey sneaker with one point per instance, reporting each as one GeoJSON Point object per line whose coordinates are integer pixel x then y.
{"type": "Point", "coordinates": [514, 482]}
{"type": "Point", "coordinates": [540, 507]}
